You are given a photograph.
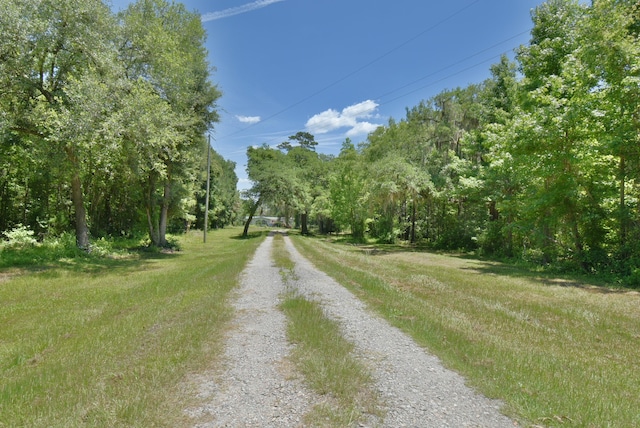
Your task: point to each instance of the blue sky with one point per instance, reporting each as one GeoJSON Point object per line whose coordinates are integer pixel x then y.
{"type": "Point", "coordinates": [339, 68]}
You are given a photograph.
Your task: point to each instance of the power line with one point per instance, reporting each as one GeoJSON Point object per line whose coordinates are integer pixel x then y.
{"type": "Point", "coordinates": [370, 63]}
{"type": "Point", "coordinates": [448, 76]}
{"type": "Point", "coordinates": [493, 58]}
{"type": "Point", "coordinates": [451, 66]}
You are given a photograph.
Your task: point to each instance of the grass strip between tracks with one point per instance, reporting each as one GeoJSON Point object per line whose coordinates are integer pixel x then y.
{"type": "Point", "coordinates": [325, 358]}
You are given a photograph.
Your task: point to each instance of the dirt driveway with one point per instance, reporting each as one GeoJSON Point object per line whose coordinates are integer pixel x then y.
{"type": "Point", "coordinates": [257, 388]}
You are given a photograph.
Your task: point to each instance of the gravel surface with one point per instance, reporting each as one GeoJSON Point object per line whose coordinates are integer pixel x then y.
{"type": "Point", "coordinates": [257, 388]}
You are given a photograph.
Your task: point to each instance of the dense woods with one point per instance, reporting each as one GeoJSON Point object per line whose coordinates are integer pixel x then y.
{"type": "Point", "coordinates": [539, 162]}
{"type": "Point", "coordinates": [102, 120]}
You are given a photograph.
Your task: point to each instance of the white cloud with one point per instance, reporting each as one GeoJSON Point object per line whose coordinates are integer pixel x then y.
{"type": "Point", "coordinates": [249, 7]}
{"type": "Point", "coordinates": [362, 128]}
{"type": "Point", "coordinates": [249, 119]}
{"type": "Point", "coordinates": [330, 120]}
{"type": "Point", "coordinates": [326, 121]}
{"type": "Point", "coordinates": [363, 109]}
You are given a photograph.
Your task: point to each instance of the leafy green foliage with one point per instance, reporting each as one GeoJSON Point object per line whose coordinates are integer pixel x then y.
{"type": "Point", "coordinates": [541, 165]}
{"type": "Point", "coordinates": [102, 117]}
{"type": "Point", "coordinates": [102, 120]}
{"type": "Point", "coordinates": [225, 204]}
{"type": "Point", "coordinates": [19, 237]}
{"type": "Point", "coordinates": [348, 193]}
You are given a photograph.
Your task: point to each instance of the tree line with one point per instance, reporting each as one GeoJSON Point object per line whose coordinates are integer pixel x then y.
{"type": "Point", "coordinates": [102, 120]}
{"type": "Point", "coordinates": [539, 162]}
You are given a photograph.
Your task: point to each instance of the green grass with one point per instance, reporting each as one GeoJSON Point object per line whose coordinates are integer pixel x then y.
{"type": "Point", "coordinates": [557, 352]}
{"type": "Point", "coordinates": [280, 256]}
{"type": "Point", "coordinates": [324, 357]}
{"type": "Point", "coordinates": [92, 341]}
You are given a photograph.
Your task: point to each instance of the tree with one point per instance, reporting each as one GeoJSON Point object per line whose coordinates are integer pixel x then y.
{"type": "Point", "coordinates": [304, 161]}
{"type": "Point", "coordinates": [559, 144]}
{"type": "Point", "coordinates": [425, 168]}
{"type": "Point", "coordinates": [151, 136]}
{"type": "Point", "coordinates": [348, 190]}
{"type": "Point", "coordinates": [503, 177]}
{"type": "Point", "coordinates": [612, 53]}
{"type": "Point", "coordinates": [47, 46]}
{"type": "Point", "coordinates": [164, 45]}
{"type": "Point", "coordinates": [224, 197]}
{"type": "Point", "coordinates": [273, 180]}
{"type": "Point", "coordinates": [110, 111]}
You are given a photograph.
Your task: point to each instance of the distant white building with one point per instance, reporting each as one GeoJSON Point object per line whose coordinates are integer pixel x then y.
{"type": "Point", "coordinates": [263, 220]}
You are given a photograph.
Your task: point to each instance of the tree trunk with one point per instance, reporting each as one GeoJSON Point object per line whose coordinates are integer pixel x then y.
{"type": "Point", "coordinates": [164, 214]}
{"type": "Point", "coordinates": [577, 239]}
{"type": "Point", "coordinates": [25, 204]}
{"type": "Point", "coordinates": [494, 215]}
{"type": "Point", "coordinates": [82, 228]}
{"type": "Point", "coordinates": [303, 223]}
{"type": "Point", "coordinates": [5, 201]}
{"type": "Point", "coordinates": [402, 220]}
{"type": "Point", "coordinates": [623, 210]}
{"type": "Point", "coordinates": [253, 210]}
{"type": "Point", "coordinates": [164, 208]}
{"type": "Point", "coordinates": [413, 223]}
{"type": "Point", "coordinates": [153, 228]}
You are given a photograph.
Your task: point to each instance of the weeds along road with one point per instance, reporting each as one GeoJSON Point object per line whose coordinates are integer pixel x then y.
{"type": "Point", "coordinates": [259, 387]}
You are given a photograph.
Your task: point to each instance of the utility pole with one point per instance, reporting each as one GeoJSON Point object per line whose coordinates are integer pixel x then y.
{"type": "Point", "coordinates": [206, 203]}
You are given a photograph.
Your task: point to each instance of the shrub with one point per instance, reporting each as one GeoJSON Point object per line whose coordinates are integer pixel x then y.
{"type": "Point", "coordinates": [20, 237]}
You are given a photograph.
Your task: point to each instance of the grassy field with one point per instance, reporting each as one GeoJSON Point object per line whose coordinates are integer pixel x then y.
{"type": "Point", "coordinates": [557, 352]}
{"type": "Point", "coordinates": [109, 341]}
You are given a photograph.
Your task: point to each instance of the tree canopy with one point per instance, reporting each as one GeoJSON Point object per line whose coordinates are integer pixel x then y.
{"type": "Point", "coordinates": [102, 119]}
{"type": "Point", "coordinates": [539, 162]}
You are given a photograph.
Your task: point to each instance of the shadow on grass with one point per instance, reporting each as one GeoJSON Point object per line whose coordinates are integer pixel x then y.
{"type": "Point", "coordinates": [488, 266]}
{"type": "Point", "coordinates": [543, 275]}
{"type": "Point", "coordinates": [38, 261]}
{"type": "Point", "coordinates": [375, 249]}
{"type": "Point", "coordinates": [592, 284]}
{"type": "Point", "coordinates": [253, 235]}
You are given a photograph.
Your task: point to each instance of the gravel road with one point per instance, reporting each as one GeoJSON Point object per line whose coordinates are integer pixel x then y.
{"type": "Point", "coordinates": [257, 388]}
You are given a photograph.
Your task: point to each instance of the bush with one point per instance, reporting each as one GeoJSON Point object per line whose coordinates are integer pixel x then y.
{"type": "Point", "coordinates": [534, 256]}
{"type": "Point", "coordinates": [63, 246]}
{"type": "Point", "coordinates": [101, 247]}
{"type": "Point", "coordinates": [22, 250]}
{"type": "Point", "coordinates": [20, 237]}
